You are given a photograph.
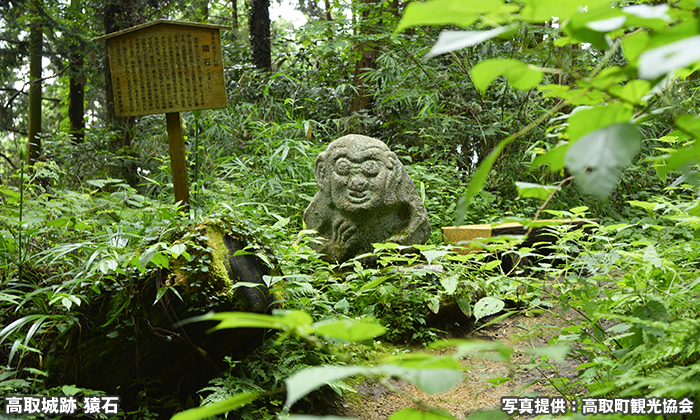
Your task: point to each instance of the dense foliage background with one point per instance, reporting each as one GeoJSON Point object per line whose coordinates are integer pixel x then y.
{"type": "Point", "coordinates": [538, 109]}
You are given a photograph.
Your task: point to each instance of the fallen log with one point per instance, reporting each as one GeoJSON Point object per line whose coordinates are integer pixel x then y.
{"type": "Point", "coordinates": [539, 237]}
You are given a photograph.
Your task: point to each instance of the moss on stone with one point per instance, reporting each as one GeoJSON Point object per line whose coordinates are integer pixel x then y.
{"type": "Point", "coordinates": [219, 259]}
{"type": "Point", "coordinates": [191, 276]}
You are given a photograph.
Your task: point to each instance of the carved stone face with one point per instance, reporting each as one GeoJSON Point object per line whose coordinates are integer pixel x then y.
{"type": "Point", "coordinates": [365, 196]}
{"type": "Point", "coordinates": [358, 178]}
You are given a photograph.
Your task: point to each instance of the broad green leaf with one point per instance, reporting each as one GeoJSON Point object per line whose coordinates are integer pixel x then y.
{"type": "Point", "coordinates": [555, 158]}
{"type": "Point", "coordinates": [488, 415]}
{"type": "Point", "coordinates": [685, 29]}
{"type": "Point", "coordinates": [662, 60]}
{"type": "Point", "coordinates": [618, 227]}
{"type": "Point", "coordinates": [498, 381]}
{"type": "Point", "coordinates": [160, 260]}
{"type": "Point", "coordinates": [648, 12]}
{"type": "Point", "coordinates": [653, 310]}
{"type": "Point", "coordinates": [529, 190]}
{"type": "Point", "coordinates": [449, 283]}
{"type": "Point", "coordinates": [653, 17]}
{"type": "Point", "coordinates": [557, 352]}
{"type": "Point", "coordinates": [491, 265]}
{"type": "Point", "coordinates": [579, 211]}
{"type": "Point", "coordinates": [446, 12]}
{"type": "Point", "coordinates": [349, 330]}
{"type": "Point", "coordinates": [415, 414]}
{"type": "Point", "coordinates": [59, 223]}
{"type": "Point", "coordinates": [492, 351]}
{"type": "Point", "coordinates": [280, 320]}
{"type": "Point", "coordinates": [632, 92]}
{"type": "Point", "coordinates": [99, 183]}
{"type": "Point", "coordinates": [147, 255]}
{"type": "Point", "coordinates": [71, 390]}
{"type": "Point", "coordinates": [544, 10]}
{"type": "Point", "coordinates": [520, 75]}
{"type": "Point", "coordinates": [651, 257]}
{"type": "Point", "coordinates": [292, 319]}
{"type": "Point", "coordinates": [608, 78]}
{"type": "Point", "coordinates": [423, 361]}
{"type": "Point", "coordinates": [307, 380]}
{"type": "Point", "coordinates": [608, 24]}
{"type": "Point", "coordinates": [110, 264]}
{"type": "Point", "coordinates": [67, 303]}
{"type": "Point", "coordinates": [232, 403]}
{"type": "Point", "coordinates": [619, 328]}
{"type": "Point", "coordinates": [595, 159]}
{"type": "Point", "coordinates": [178, 249]}
{"type": "Point", "coordinates": [487, 306]}
{"type": "Point", "coordinates": [464, 306]}
{"type": "Point", "coordinates": [374, 283]}
{"type": "Point", "coordinates": [434, 305]}
{"type": "Point", "coordinates": [9, 192]}
{"type": "Point", "coordinates": [683, 157]}
{"type": "Point", "coordinates": [584, 120]}
{"type": "Point", "coordinates": [432, 381]}
{"type": "Point", "coordinates": [308, 417]}
{"type": "Point", "coordinates": [433, 254]}
{"type": "Point", "coordinates": [342, 305]}
{"type": "Point", "coordinates": [650, 207]}
{"type": "Point", "coordinates": [634, 44]}
{"type": "Point", "coordinates": [449, 41]}
{"type": "Point", "coordinates": [593, 25]}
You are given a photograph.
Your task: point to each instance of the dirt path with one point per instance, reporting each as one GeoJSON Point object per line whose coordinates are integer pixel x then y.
{"type": "Point", "coordinates": [519, 332]}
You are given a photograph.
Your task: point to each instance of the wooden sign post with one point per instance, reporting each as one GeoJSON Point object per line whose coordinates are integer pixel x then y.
{"type": "Point", "coordinates": [167, 67]}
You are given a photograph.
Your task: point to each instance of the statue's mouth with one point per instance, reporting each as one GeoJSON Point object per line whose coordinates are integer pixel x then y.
{"type": "Point", "coordinates": [358, 197]}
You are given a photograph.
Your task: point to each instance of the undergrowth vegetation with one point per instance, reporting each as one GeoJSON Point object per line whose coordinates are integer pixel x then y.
{"type": "Point", "coordinates": [70, 231]}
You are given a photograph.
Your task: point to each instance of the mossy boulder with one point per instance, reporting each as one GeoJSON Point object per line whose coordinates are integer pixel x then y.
{"type": "Point", "coordinates": [129, 340]}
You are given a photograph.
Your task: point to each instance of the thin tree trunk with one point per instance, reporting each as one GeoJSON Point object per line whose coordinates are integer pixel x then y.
{"type": "Point", "coordinates": [76, 82]}
{"type": "Point", "coordinates": [76, 98]}
{"type": "Point", "coordinates": [234, 15]}
{"type": "Point", "coordinates": [327, 4]}
{"type": "Point", "coordinates": [117, 16]}
{"type": "Point", "coordinates": [35, 68]}
{"type": "Point", "coordinates": [260, 34]}
{"type": "Point", "coordinates": [204, 11]}
{"type": "Point", "coordinates": [362, 98]}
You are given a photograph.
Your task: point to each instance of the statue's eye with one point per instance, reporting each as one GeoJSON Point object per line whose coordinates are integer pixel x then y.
{"type": "Point", "coordinates": [342, 167]}
{"type": "Point", "coordinates": [370, 168]}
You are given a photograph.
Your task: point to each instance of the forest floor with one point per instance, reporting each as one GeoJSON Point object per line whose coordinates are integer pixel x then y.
{"type": "Point", "coordinates": [519, 332]}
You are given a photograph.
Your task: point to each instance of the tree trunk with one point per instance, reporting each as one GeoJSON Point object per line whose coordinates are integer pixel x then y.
{"type": "Point", "coordinates": [204, 11]}
{"type": "Point", "coordinates": [368, 50]}
{"type": "Point", "coordinates": [76, 97]}
{"type": "Point", "coordinates": [35, 68]}
{"type": "Point", "coordinates": [260, 34]}
{"type": "Point", "coordinates": [76, 83]}
{"type": "Point", "coordinates": [234, 16]}
{"type": "Point", "coordinates": [327, 5]}
{"type": "Point", "coordinates": [117, 16]}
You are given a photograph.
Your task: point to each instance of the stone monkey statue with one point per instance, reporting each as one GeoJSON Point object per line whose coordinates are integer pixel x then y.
{"type": "Point", "coordinates": [365, 196]}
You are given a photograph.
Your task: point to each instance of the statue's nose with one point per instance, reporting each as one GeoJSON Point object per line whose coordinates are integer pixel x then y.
{"type": "Point", "coordinates": [358, 182]}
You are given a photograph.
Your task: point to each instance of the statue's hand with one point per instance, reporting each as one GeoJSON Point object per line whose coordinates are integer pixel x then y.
{"type": "Point", "coordinates": [343, 230]}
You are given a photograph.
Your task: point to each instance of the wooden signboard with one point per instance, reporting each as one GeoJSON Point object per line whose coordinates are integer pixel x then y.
{"type": "Point", "coordinates": [167, 67]}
